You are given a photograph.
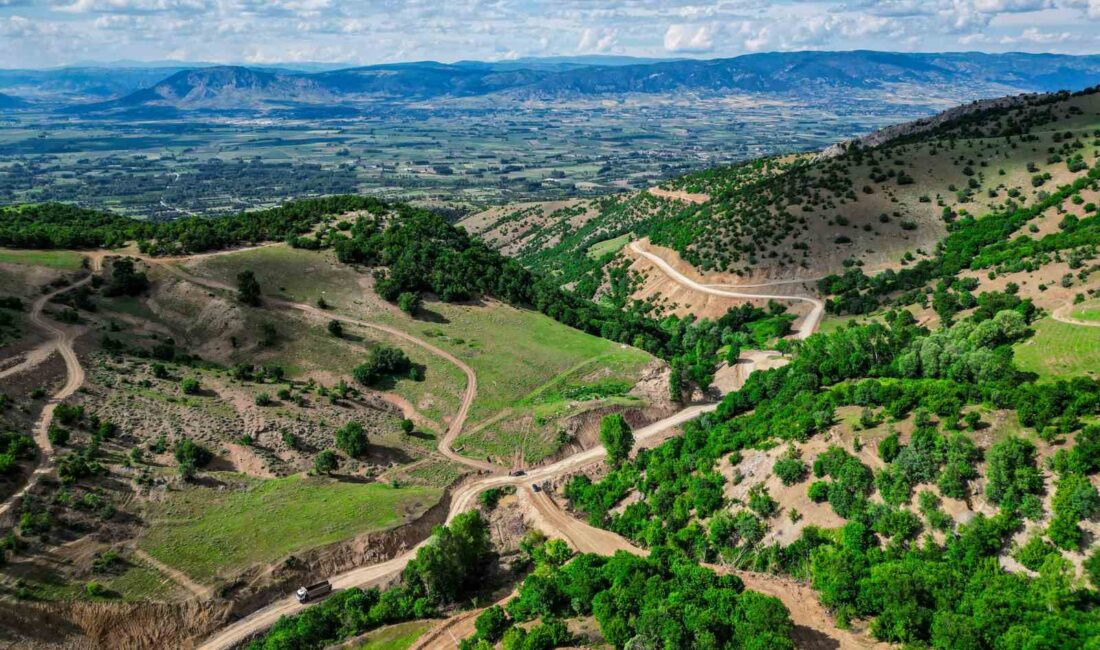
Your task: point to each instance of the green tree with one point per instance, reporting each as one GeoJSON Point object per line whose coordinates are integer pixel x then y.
{"type": "Point", "coordinates": [248, 289]}
{"type": "Point", "coordinates": [409, 302]}
{"type": "Point", "coordinates": [617, 438]}
{"type": "Point", "coordinates": [336, 328]}
{"type": "Point", "coordinates": [352, 439]}
{"type": "Point", "coordinates": [326, 462]}
{"type": "Point", "coordinates": [492, 623]}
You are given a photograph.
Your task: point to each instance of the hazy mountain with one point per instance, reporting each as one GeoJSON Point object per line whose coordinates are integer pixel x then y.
{"type": "Point", "coordinates": [7, 101]}
{"type": "Point", "coordinates": [800, 73]}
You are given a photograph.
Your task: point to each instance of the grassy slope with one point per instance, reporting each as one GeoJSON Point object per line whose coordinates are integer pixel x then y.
{"type": "Point", "coordinates": [516, 353]}
{"type": "Point", "coordinates": [513, 351]}
{"type": "Point", "coordinates": [205, 532]}
{"type": "Point", "coordinates": [53, 259]}
{"type": "Point", "coordinates": [394, 637]}
{"type": "Point", "coordinates": [1060, 350]}
{"type": "Point", "coordinates": [744, 210]}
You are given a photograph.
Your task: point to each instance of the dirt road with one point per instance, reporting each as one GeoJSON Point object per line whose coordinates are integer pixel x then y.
{"type": "Point", "coordinates": [464, 498]}
{"type": "Point", "coordinates": [1061, 314]}
{"type": "Point", "coordinates": [809, 325]}
{"type": "Point", "coordinates": [468, 396]}
{"type": "Point", "coordinates": [679, 195]}
{"type": "Point", "coordinates": [63, 338]}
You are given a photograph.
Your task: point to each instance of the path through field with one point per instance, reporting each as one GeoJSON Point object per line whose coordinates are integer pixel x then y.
{"type": "Point", "coordinates": [63, 338]}
{"type": "Point", "coordinates": [1062, 314]}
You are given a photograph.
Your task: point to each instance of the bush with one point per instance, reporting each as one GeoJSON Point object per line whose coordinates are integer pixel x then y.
{"type": "Point", "coordinates": [263, 399]}
{"type": "Point", "coordinates": [409, 302]}
{"type": "Point", "coordinates": [187, 451]}
{"type": "Point", "coordinates": [336, 328]}
{"type": "Point", "coordinates": [190, 386]}
{"type": "Point", "coordinates": [58, 436]}
{"type": "Point", "coordinates": [790, 469]}
{"type": "Point", "coordinates": [818, 491]}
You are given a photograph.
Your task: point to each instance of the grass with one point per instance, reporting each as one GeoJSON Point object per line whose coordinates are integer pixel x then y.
{"type": "Point", "coordinates": [394, 637]}
{"type": "Point", "coordinates": [1088, 310]}
{"type": "Point", "coordinates": [599, 249]}
{"type": "Point", "coordinates": [1060, 350]}
{"type": "Point", "coordinates": [207, 532]}
{"type": "Point", "coordinates": [66, 260]}
{"type": "Point", "coordinates": [294, 274]}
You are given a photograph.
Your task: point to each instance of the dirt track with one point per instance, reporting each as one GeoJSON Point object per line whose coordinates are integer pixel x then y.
{"type": "Point", "coordinates": [1059, 314]}
{"type": "Point", "coordinates": [459, 419]}
{"type": "Point", "coordinates": [809, 326]}
{"type": "Point", "coordinates": [63, 338]}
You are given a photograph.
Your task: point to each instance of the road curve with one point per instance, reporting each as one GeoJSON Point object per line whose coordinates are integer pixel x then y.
{"type": "Point", "coordinates": [809, 325]}
{"type": "Point", "coordinates": [1061, 315]}
{"type": "Point", "coordinates": [63, 342]}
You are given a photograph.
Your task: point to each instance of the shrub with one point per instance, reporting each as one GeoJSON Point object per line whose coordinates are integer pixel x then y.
{"type": "Point", "coordinates": [190, 386]}
{"type": "Point", "coordinates": [326, 462]}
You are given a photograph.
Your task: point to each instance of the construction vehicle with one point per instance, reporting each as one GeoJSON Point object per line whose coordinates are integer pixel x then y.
{"type": "Point", "coordinates": [313, 591]}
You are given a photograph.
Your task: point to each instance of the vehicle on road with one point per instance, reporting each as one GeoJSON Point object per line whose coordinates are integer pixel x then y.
{"type": "Point", "coordinates": [517, 472]}
{"type": "Point", "coordinates": [313, 591]}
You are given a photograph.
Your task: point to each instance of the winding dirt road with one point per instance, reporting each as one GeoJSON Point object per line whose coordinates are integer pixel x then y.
{"type": "Point", "coordinates": [454, 428]}
{"type": "Point", "coordinates": [464, 498]}
{"type": "Point", "coordinates": [809, 325]}
{"type": "Point", "coordinates": [63, 338]}
{"type": "Point", "coordinates": [1061, 314]}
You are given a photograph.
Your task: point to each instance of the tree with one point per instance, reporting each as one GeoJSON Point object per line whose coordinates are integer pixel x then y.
{"type": "Point", "coordinates": [352, 439]}
{"type": "Point", "coordinates": [492, 623]}
{"type": "Point", "coordinates": [409, 302]}
{"type": "Point", "coordinates": [336, 328]}
{"type": "Point", "coordinates": [125, 281]}
{"type": "Point", "coordinates": [384, 361]}
{"type": "Point", "coordinates": [1012, 472]}
{"type": "Point", "coordinates": [248, 289]}
{"type": "Point", "coordinates": [190, 386]}
{"type": "Point", "coordinates": [326, 462]}
{"type": "Point", "coordinates": [617, 438]}
{"type": "Point", "coordinates": [407, 426]}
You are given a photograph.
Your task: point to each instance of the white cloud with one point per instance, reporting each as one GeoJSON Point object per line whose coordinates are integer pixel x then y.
{"type": "Point", "coordinates": [597, 40]}
{"type": "Point", "coordinates": [690, 38]}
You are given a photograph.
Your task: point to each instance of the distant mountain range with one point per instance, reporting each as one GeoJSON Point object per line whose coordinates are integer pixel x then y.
{"type": "Point", "coordinates": [236, 88]}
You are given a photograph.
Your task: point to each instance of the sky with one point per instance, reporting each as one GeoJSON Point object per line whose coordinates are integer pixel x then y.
{"type": "Point", "coordinates": [45, 33]}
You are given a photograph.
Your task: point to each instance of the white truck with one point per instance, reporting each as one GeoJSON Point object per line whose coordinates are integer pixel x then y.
{"type": "Point", "coordinates": [313, 591]}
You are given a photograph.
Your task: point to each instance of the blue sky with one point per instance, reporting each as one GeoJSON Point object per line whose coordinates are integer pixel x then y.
{"type": "Point", "coordinates": [40, 33]}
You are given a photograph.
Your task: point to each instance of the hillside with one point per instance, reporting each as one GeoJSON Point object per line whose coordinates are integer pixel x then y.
{"type": "Point", "coordinates": [822, 73]}
{"type": "Point", "coordinates": [7, 101]}
{"type": "Point", "coordinates": [883, 202]}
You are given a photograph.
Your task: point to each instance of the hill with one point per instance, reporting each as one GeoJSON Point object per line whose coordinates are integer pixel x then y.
{"type": "Point", "coordinates": [831, 73]}
{"type": "Point", "coordinates": [883, 202]}
{"type": "Point", "coordinates": [7, 101]}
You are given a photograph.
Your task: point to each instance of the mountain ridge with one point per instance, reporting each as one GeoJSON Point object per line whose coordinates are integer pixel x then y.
{"type": "Point", "coordinates": [242, 87]}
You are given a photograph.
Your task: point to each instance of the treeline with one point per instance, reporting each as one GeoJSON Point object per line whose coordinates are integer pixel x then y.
{"type": "Point", "coordinates": [916, 591]}
{"type": "Point", "coordinates": [665, 600]}
{"type": "Point", "coordinates": [972, 243]}
{"type": "Point", "coordinates": [58, 225]}
{"type": "Point", "coordinates": [416, 251]}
